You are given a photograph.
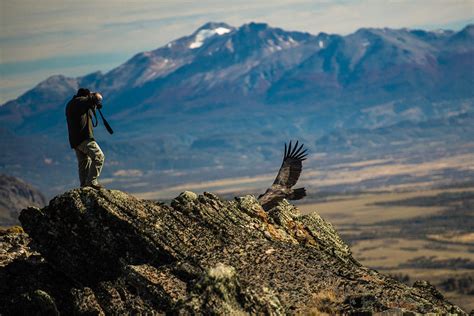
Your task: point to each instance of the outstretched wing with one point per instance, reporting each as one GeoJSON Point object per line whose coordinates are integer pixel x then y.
{"type": "Point", "coordinates": [290, 169]}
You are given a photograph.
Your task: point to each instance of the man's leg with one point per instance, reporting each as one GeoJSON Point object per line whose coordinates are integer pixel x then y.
{"type": "Point", "coordinates": [83, 165]}
{"type": "Point", "coordinates": [97, 157]}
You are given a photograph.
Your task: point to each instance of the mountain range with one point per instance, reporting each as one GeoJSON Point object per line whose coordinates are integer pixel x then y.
{"type": "Point", "coordinates": [224, 99]}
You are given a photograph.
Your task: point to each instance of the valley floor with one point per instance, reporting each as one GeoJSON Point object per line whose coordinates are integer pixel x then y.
{"type": "Point", "coordinates": [416, 235]}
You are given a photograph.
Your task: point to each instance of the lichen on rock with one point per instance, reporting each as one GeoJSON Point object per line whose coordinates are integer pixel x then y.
{"type": "Point", "coordinates": [107, 252]}
{"type": "Point", "coordinates": [219, 292]}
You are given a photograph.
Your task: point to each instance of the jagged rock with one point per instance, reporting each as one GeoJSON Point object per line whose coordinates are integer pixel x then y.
{"type": "Point", "coordinates": [85, 302]}
{"type": "Point", "coordinates": [218, 292]}
{"type": "Point", "coordinates": [38, 303]}
{"type": "Point", "coordinates": [311, 228]}
{"type": "Point", "coordinates": [30, 286]}
{"type": "Point", "coordinates": [107, 252]}
{"type": "Point", "coordinates": [364, 304]}
{"type": "Point", "coordinates": [427, 287]}
{"type": "Point", "coordinates": [13, 245]}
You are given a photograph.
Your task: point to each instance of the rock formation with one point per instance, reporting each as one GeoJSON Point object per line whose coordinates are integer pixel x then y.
{"type": "Point", "coordinates": [108, 253]}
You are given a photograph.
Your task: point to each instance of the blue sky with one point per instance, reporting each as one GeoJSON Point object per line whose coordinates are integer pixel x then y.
{"type": "Point", "coordinates": [70, 37]}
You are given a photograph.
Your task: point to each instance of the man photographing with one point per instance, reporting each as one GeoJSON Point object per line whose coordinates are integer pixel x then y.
{"type": "Point", "coordinates": [90, 157]}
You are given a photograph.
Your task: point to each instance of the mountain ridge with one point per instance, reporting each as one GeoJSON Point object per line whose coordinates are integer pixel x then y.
{"type": "Point", "coordinates": [255, 27]}
{"type": "Point", "coordinates": [176, 107]}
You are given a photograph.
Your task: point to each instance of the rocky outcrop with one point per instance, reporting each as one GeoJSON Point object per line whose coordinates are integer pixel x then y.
{"type": "Point", "coordinates": [16, 195]}
{"type": "Point", "coordinates": [105, 252]}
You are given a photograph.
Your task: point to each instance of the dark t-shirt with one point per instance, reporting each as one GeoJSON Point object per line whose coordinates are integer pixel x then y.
{"type": "Point", "coordinates": [79, 120]}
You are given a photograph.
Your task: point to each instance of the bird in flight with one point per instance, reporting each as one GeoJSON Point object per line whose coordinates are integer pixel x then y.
{"type": "Point", "coordinates": [287, 177]}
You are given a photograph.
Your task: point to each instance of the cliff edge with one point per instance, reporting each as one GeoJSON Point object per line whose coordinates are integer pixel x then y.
{"type": "Point", "coordinates": [105, 252]}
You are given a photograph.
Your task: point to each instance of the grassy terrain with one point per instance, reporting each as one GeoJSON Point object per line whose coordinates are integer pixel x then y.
{"type": "Point", "coordinates": [425, 235]}
{"type": "Point", "coordinates": [322, 173]}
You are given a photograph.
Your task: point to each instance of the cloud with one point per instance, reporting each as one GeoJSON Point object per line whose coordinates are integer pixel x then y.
{"type": "Point", "coordinates": [41, 29]}
{"type": "Point", "coordinates": [128, 173]}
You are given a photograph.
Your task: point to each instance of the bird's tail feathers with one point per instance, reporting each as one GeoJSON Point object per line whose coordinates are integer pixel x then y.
{"type": "Point", "coordinates": [297, 194]}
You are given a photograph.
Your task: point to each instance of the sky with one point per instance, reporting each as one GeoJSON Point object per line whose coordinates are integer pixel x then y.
{"type": "Point", "coordinates": [71, 37]}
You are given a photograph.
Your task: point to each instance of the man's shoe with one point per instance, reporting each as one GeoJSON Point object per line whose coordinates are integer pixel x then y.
{"type": "Point", "coordinates": [96, 186]}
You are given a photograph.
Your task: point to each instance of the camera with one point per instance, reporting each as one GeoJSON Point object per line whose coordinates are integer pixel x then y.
{"type": "Point", "coordinates": [97, 98]}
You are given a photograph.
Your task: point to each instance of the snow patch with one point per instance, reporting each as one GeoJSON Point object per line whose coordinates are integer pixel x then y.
{"type": "Point", "coordinates": [272, 46]}
{"type": "Point", "coordinates": [202, 35]}
{"type": "Point", "coordinates": [221, 30]}
{"type": "Point", "coordinates": [128, 173]}
{"type": "Point", "coordinates": [149, 76]}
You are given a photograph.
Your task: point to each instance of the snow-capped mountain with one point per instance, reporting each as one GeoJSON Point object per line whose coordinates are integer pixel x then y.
{"type": "Point", "coordinates": [200, 100]}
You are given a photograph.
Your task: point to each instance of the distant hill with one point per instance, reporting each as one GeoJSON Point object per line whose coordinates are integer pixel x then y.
{"type": "Point", "coordinates": [226, 98]}
{"type": "Point", "coordinates": [16, 195]}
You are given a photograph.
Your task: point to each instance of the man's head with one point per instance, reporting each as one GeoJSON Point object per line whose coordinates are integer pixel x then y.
{"type": "Point", "coordinates": [83, 92]}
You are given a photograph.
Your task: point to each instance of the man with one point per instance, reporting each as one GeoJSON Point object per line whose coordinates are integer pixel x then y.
{"type": "Point", "coordinates": [90, 157]}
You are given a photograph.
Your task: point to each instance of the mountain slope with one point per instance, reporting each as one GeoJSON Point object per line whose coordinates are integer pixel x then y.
{"type": "Point", "coordinates": [256, 61]}
{"type": "Point", "coordinates": [200, 102]}
{"type": "Point", "coordinates": [16, 195]}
